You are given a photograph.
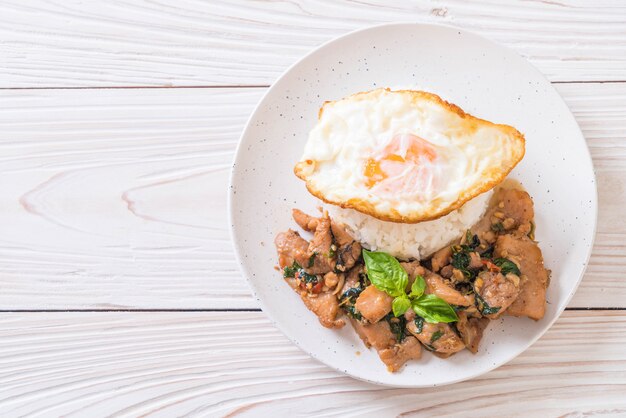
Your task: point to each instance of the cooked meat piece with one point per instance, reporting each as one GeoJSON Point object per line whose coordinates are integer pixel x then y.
{"type": "Point", "coordinates": [395, 356]}
{"type": "Point", "coordinates": [376, 335]}
{"type": "Point", "coordinates": [441, 258]}
{"type": "Point", "coordinates": [306, 222]}
{"type": "Point", "coordinates": [409, 315]}
{"type": "Point", "coordinates": [348, 255]}
{"type": "Point", "coordinates": [524, 252]}
{"type": "Point", "coordinates": [475, 261]}
{"type": "Point", "coordinates": [373, 304]}
{"type": "Point", "coordinates": [447, 271]}
{"type": "Point", "coordinates": [342, 237]}
{"type": "Point", "coordinates": [352, 279]}
{"type": "Point", "coordinates": [471, 330]}
{"type": "Point", "coordinates": [439, 338]}
{"type": "Point", "coordinates": [497, 290]}
{"type": "Point", "coordinates": [505, 204]}
{"type": "Point", "coordinates": [412, 269]}
{"type": "Point", "coordinates": [322, 237]}
{"type": "Point", "coordinates": [291, 247]}
{"type": "Point", "coordinates": [471, 310]}
{"type": "Point", "coordinates": [326, 306]}
{"type": "Point", "coordinates": [319, 248]}
{"type": "Point", "coordinates": [436, 285]}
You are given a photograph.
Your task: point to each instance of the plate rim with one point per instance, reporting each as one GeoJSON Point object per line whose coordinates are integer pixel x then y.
{"type": "Point", "coordinates": [236, 243]}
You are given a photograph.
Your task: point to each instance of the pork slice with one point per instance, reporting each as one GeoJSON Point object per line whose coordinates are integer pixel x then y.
{"type": "Point", "coordinates": [497, 291]}
{"type": "Point", "coordinates": [326, 306]}
{"type": "Point", "coordinates": [342, 237]}
{"type": "Point", "coordinates": [291, 247]}
{"type": "Point", "coordinates": [348, 255]}
{"type": "Point", "coordinates": [524, 252]}
{"type": "Point", "coordinates": [441, 258]}
{"type": "Point", "coordinates": [305, 221]}
{"type": "Point", "coordinates": [321, 257]}
{"type": "Point", "coordinates": [397, 355]}
{"type": "Point", "coordinates": [512, 208]}
{"type": "Point", "coordinates": [352, 279]}
{"type": "Point", "coordinates": [373, 304]}
{"type": "Point", "coordinates": [377, 335]}
{"type": "Point", "coordinates": [436, 285]}
{"type": "Point", "coordinates": [471, 330]}
{"type": "Point", "coordinates": [439, 338]}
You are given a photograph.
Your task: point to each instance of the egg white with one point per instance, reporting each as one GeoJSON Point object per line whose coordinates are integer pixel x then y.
{"type": "Point", "coordinates": [472, 155]}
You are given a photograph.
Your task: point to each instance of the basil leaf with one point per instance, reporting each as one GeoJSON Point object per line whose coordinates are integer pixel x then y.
{"type": "Point", "coordinates": [400, 305]}
{"type": "Point", "coordinates": [497, 227]}
{"type": "Point", "coordinates": [484, 308]}
{"type": "Point", "coordinates": [352, 311]}
{"type": "Point", "coordinates": [434, 309]}
{"type": "Point", "coordinates": [507, 266]}
{"type": "Point", "coordinates": [419, 324]}
{"type": "Point", "coordinates": [436, 335]}
{"type": "Point", "coordinates": [385, 273]}
{"type": "Point", "coordinates": [351, 294]}
{"type": "Point", "coordinates": [418, 287]}
{"type": "Point", "coordinates": [460, 260]}
{"type": "Point", "coordinates": [290, 271]}
{"type": "Point", "coordinates": [312, 259]}
{"type": "Point", "coordinates": [397, 326]}
{"type": "Point", "coordinates": [471, 241]}
{"type": "Point", "coordinates": [296, 270]}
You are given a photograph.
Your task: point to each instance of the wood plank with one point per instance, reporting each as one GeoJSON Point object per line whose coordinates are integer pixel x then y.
{"type": "Point", "coordinates": [48, 43]}
{"type": "Point", "coordinates": [237, 364]}
{"type": "Point", "coordinates": [116, 199]}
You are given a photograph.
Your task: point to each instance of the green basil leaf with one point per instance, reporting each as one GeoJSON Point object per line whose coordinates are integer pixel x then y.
{"type": "Point", "coordinates": [385, 273]}
{"type": "Point", "coordinates": [419, 324]}
{"type": "Point", "coordinates": [290, 271]}
{"type": "Point", "coordinates": [484, 308]}
{"type": "Point", "coordinates": [418, 287]}
{"type": "Point", "coordinates": [312, 260]}
{"type": "Point", "coordinates": [507, 266]}
{"type": "Point", "coordinates": [436, 335]}
{"type": "Point", "coordinates": [400, 305]}
{"type": "Point", "coordinates": [434, 309]}
{"type": "Point", "coordinates": [397, 326]}
{"type": "Point", "coordinates": [460, 260]}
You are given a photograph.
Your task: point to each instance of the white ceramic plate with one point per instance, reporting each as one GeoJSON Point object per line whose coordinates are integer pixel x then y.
{"type": "Point", "coordinates": [484, 79]}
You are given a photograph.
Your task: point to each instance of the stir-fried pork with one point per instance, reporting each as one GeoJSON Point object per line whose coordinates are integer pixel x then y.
{"type": "Point", "coordinates": [291, 247]}
{"type": "Point", "coordinates": [373, 304]}
{"type": "Point", "coordinates": [436, 285]}
{"type": "Point", "coordinates": [471, 330]}
{"type": "Point", "coordinates": [398, 354]}
{"type": "Point", "coordinates": [497, 291]}
{"type": "Point", "coordinates": [439, 338]}
{"type": "Point", "coordinates": [524, 252]}
{"type": "Point", "coordinates": [509, 210]}
{"type": "Point", "coordinates": [441, 258]}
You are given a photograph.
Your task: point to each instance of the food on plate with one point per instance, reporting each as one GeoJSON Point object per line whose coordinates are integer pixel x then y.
{"type": "Point", "coordinates": [404, 156]}
{"type": "Point", "coordinates": [404, 280]}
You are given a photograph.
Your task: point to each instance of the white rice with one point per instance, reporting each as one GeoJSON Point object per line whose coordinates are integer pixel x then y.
{"type": "Point", "coordinates": [406, 241]}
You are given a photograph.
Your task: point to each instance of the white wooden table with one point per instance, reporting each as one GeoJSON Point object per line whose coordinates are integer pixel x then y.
{"type": "Point", "coordinates": [119, 290]}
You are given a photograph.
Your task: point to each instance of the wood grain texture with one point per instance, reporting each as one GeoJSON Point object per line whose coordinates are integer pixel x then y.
{"type": "Point", "coordinates": [114, 199]}
{"type": "Point", "coordinates": [237, 364]}
{"type": "Point", "coordinates": [48, 43]}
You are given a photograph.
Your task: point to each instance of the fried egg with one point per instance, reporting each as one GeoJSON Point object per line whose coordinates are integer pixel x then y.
{"type": "Point", "coordinates": [404, 156]}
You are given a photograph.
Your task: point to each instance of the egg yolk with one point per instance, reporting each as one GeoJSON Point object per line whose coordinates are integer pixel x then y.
{"type": "Point", "coordinates": [405, 158]}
